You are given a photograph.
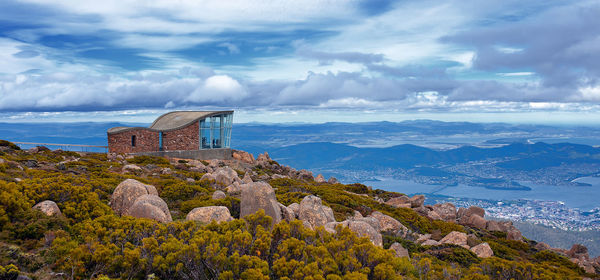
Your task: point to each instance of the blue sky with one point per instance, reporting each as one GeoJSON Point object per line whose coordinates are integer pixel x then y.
{"type": "Point", "coordinates": [517, 61]}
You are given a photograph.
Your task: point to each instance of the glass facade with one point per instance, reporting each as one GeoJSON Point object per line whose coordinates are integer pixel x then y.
{"type": "Point", "coordinates": [215, 131]}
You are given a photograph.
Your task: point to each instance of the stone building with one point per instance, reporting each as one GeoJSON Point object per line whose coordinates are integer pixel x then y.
{"type": "Point", "coordinates": [181, 133]}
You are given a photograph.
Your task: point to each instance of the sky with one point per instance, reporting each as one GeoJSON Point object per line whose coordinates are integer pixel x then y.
{"type": "Point", "coordinates": [301, 61]}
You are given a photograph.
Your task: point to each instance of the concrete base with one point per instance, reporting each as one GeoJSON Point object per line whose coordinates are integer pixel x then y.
{"type": "Point", "coordinates": [195, 154]}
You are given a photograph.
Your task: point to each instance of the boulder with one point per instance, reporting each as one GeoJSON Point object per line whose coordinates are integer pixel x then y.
{"type": "Point", "coordinates": [456, 238]}
{"type": "Point", "coordinates": [225, 176]}
{"type": "Point", "coordinates": [218, 195]}
{"type": "Point", "coordinates": [399, 202]}
{"type": "Point", "coordinates": [243, 156]}
{"type": "Point", "coordinates": [127, 192]}
{"type": "Point", "coordinates": [387, 223]}
{"type": "Point", "coordinates": [259, 195]}
{"type": "Point", "coordinates": [430, 242]}
{"type": "Point", "coordinates": [399, 250]}
{"type": "Point", "coordinates": [541, 246]}
{"type": "Point", "coordinates": [208, 176]}
{"type": "Point", "coordinates": [578, 251]}
{"type": "Point", "coordinates": [473, 220]}
{"type": "Point", "coordinates": [234, 188]}
{"type": "Point", "coordinates": [363, 229]}
{"type": "Point", "coordinates": [320, 179]}
{"type": "Point", "coordinates": [514, 234]}
{"type": "Point", "coordinates": [278, 176]}
{"type": "Point", "coordinates": [166, 171]}
{"type": "Point", "coordinates": [150, 206]}
{"type": "Point", "coordinates": [209, 213]}
{"type": "Point", "coordinates": [264, 157]}
{"type": "Point", "coordinates": [305, 175]}
{"type": "Point", "coordinates": [332, 180]}
{"type": "Point", "coordinates": [446, 211]}
{"type": "Point", "coordinates": [373, 222]}
{"type": "Point", "coordinates": [286, 213]}
{"type": "Point", "coordinates": [247, 179]}
{"type": "Point", "coordinates": [295, 208]}
{"type": "Point", "coordinates": [417, 201]}
{"type": "Point", "coordinates": [474, 210]}
{"type": "Point", "coordinates": [314, 212]}
{"type": "Point", "coordinates": [131, 168]}
{"type": "Point", "coordinates": [494, 226]}
{"type": "Point", "coordinates": [424, 237]}
{"type": "Point", "coordinates": [434, 215]}
{"type": "Point", "coordinates": [482, 250]}
{"type": "Point", "coordinates": [48, 207]}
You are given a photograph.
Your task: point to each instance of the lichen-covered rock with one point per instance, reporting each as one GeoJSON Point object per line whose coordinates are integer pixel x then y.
{"type": "Point", "coordinates": [474, 210]}
{"type": "Point", "coordinates": [363, 229]}
{"type": "Point", "coordinates": [446, 211]}
{"type": "Point", "coordinates": [286, 213]}
{"type": "Point", "coordinates": [127, 192]}
{"type": "Point", "coordinates": [473, 220]}
{"type": "Point", "coordinates": [389, 224]}
{"type": "Point", "coordinates": [494, 226]}
{"type": "Point", "coordinates": [208, 177]}
{"type": "Point", "coordinates": [218, 195]}
{"type": "Point", "coordinates": [423, 237]}
{"type": "Point", "coordinates": [48, 207]}
{"type": "Point", "coordinates": [372, 221]}
{"type": "Point", "coordinates": [430, 242]}
{"type": "Point", "coordinates": [305, 175]}
{"type": "Point", "coordinates": [295, 208]}
{"type": "Point", "coordinates": [332, 180]}
{"type": "Point", "coordinates": [209, 213]}
{"type": "Point", "coordinates": [131, 168]}
{"type": "Point", "coordinates": [314, 212]}
{"type": "Point", "coordinates": [434, 215]}
{"type": "Point", "coordinates": [247, 179]}
{"type": "Point", "coordinates": [399, 250]}
{"type": "Point", "coordinates": [482, 250]}
{"type": "Point", "coordinates": [417, 201]}
{"type": "Point", "coordinates": [234, 188]}
{"type": "Point", "coordinates": [225, 176]}
{"type": "Point", "coordinates": [456, 238]}
{"type": "Point", "coordinates": [259, 195]}
{"type": "Point", "coordinates": [264, 157]}
{"type": "Point", "coordinates": [150, 206]}
{"type": "Point", "coordinates": [243, 156]}
{"type": "Point", "coordinates": [320, 179]}
{"type": "Point", "coordinates": [399, 202]}
{"type": "Point", "coordinates": [541, 246]}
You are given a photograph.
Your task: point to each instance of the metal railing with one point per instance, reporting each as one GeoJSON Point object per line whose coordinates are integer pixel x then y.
{"type": "Point", "coordinates": [64, 147]}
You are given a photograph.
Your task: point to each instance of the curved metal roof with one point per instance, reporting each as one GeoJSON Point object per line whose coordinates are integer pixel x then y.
{"type": "Point", "coordinates": [172, 120]}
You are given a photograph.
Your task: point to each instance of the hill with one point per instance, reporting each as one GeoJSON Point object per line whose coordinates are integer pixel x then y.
{"type": "Point", "coordinates": [96, 216]}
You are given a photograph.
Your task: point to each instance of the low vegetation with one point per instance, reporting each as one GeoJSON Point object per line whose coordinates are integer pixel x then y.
{"type": "Point", "coordinates": [88, 241]}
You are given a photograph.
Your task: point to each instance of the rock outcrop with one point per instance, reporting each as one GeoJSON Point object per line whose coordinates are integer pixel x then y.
{"type": "Point", "coordinates": [295, 208]}
{"type": "Point", "coordinates": [218, 195]}
{"type": "Point", "coordinates": [320, 179]}
{"type": "Point", "coordinates": [446, 211]}
{"type": "Point", "coordinates": [127, 192]}
{"type": "Point", "coordinates": [417, 201]}
{"type": "Point", "coordinates": [209, 213]}
{"type": "Point", "coordinates": [456, 238]}
{"type": "Point", "coordinates": [314, 212]}
{"type": "Point", "coordinates": [48, 207]}
{"type": "Point", "coordinates": [259, 195]}
{"type": "Point", "coordinates": [389, 224]}
{"type": "Point", "coordinates": [131, 168]}
{"type": "Point", "coordinates": [482, 250]}
{"type": "Point", "coordinates": [286, 213]}
{"type": "Point", "coordinates": [399, 250]}
{"type": "Point", "coordinates": [243, 156]}
{"type": "Point", "coordinates": [365, 230]}
{"type": "Point", "coordinates": [225, 176]}
{"type": "Point", "coordinates": [399, 202]}
{"type": "Point", "coordinates": [150, 206]}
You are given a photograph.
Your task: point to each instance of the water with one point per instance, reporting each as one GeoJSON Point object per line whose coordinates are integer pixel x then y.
{"type": "Point", "coordinates": [581, 197]}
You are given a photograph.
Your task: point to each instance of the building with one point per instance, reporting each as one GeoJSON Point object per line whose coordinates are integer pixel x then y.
{"type": "Point", "coordinates": [185, 134]}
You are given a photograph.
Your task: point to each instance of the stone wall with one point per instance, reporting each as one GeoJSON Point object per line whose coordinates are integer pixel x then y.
{"type": "Point", "coordinates": [146, 141]}
{"type": "Point", "coordinates": [182, 139]}
{"type": "Point", "coordinates": [199, 154]}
